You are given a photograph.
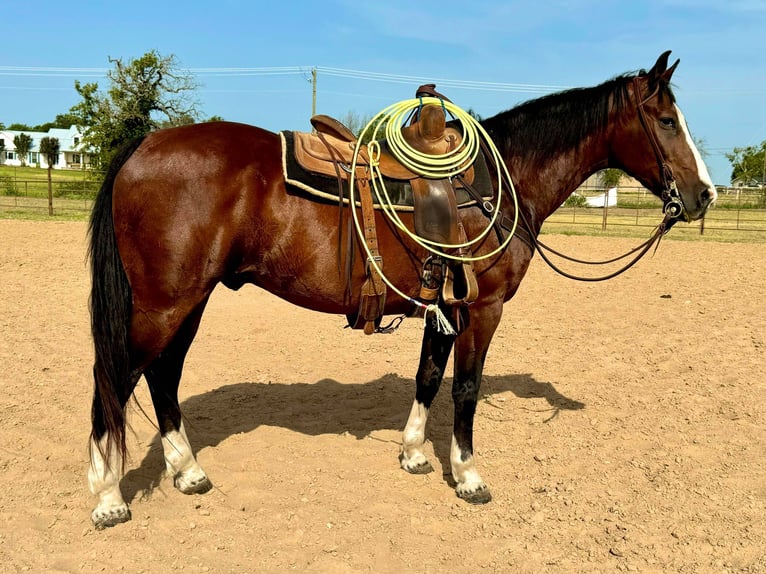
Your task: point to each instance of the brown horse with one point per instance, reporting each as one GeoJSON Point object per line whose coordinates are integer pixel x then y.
{"type": "Point", "coordinates": [185, 209]}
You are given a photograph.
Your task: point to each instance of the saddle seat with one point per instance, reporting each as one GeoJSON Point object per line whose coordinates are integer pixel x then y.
{"type": "Point", "coordinates": [334, 144]}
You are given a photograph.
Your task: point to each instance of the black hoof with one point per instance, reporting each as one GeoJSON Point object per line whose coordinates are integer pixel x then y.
{"type": "Point", "coordinates": [481, 496]}
{"type": "Point", "coordinates": [423, 468]}
{"type": "Point", "coordinates": [111, 518]}
{"type": "Point", "coordinates": [196, 487]}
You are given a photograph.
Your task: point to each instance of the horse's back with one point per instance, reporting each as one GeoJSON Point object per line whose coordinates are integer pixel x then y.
{"type": "Point", "coordinates": [208, 149]}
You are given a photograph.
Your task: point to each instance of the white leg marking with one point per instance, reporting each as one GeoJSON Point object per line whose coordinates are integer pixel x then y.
{"type": "Point", "coordinates": [464, 472]}
{"type": "Point", "coordinates": [702, 171]}
{"type": "Point", "coordinates": [414, 437]}
{"type": "Point", "coordinates": [188, 476]}
{"type": "Point", "coordinates": [104, 482]}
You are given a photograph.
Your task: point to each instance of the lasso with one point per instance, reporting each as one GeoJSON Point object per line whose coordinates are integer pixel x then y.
{"type": "Point", "coordinates": [442, 166]}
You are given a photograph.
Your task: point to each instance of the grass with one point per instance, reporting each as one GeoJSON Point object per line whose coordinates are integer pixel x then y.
{"type": "Point", "coordinates": [741, 226]}
{"type": "Point", "coordinates": [32, 182]}
{"type": "Point", "coordinates": [24, 193]}
{"type": "Point", "coordinates": [39, 174]}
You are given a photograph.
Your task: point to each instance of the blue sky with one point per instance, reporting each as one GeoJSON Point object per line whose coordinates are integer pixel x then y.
{"type": "Point", "coordinates": [720, 83]}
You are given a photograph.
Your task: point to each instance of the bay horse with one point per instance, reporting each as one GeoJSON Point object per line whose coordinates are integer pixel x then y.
{"type": "Point", "coordinates": [184, 209]}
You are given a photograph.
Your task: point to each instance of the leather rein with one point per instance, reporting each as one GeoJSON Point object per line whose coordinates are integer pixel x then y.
{"type": "Point", "coordinates": [673, 208]}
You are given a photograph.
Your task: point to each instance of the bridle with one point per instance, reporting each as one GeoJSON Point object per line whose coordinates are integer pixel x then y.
{"type": "Point", "coordinates": [672, 202]}
{"type": "Point", "coordinates": [673, 209]}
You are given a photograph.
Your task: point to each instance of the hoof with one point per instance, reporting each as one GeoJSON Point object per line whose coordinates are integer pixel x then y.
{"type": "Point", "coordinates": [197, 486]}
{"type": "Point", "coordinates": [417, 464]}
{"type": "Point", "coordinates": [479, 496]}
{"type": "Point", "coordinates": [108, 518]}
{"type": "Point", "coordinates": [421, 468]}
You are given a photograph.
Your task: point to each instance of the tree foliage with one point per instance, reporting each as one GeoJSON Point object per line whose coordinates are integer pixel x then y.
{"type": "Point", "coordinates": [144, 94]}
{"type": "Point", "coordinates": [50, 147]}
{"type": "Point", "coordinates": [62, 121]}
{"type": "Point", "coordinates": [23, 144]}
{"type": "Point", "coordinates": [749, 164]}
{"type": "Point", "coordinates": [610, 177]}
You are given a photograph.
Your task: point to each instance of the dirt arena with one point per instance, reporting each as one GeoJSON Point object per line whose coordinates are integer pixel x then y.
{"type": "Point", "coordinates": [621, 428]}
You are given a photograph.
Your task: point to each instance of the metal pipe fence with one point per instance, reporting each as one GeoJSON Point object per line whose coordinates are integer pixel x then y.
{"type": "Point", "coordinates": [736, 210]}
{"type": "Point", "coordinates": [70, 197]}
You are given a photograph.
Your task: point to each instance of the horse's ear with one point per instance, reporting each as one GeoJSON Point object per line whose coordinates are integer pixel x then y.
{"type": "Point", "coordinates": [660, 74]}
{"type": "Point", "coordinates": [660, 67]}
{"type": "Point", "coordinates": [669, 72]}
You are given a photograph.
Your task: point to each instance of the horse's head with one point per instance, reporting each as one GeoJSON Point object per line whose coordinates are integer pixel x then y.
{"type": "Point", "coordinates": [654, 145]}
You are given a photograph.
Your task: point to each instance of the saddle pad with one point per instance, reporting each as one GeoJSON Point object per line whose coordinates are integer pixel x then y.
{"type": "Point", "coordinates": [325, 187]}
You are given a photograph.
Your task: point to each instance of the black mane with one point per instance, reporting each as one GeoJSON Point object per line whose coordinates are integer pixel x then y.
{"type": "Point", "coordinates": [557, 122]}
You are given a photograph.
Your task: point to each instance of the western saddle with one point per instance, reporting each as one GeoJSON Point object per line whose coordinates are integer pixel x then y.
{"type": "Point", "coordinates": [330, 152]}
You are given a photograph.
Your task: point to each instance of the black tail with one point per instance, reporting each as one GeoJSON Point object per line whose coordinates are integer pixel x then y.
{"type": "Point", "coordinates": [110, 311]}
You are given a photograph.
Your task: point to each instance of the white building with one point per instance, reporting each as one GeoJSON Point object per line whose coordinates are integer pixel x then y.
{"type": "Point", "coordinates": [72, 154]}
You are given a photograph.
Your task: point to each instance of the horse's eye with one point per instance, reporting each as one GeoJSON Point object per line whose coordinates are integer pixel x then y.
{"type": "Point", "coordinates": [668, 123]}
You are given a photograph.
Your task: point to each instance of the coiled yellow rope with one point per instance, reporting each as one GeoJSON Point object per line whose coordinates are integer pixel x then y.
{"type": "Point", "coordinates": [443, 166]}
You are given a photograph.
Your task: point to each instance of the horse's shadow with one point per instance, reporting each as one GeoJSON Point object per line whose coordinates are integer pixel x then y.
{"type": "Point", "coordinates": [324, 407]}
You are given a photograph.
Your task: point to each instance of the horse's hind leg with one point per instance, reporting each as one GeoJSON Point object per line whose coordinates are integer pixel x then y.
{"type": "Point", "coordinates": [105, 471]}
{"type": "Point", "coordinates": [163, 376]}
{"type": "Point", "coordinates": [434, 354]}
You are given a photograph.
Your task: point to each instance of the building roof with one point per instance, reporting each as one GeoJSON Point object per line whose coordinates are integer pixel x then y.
{"type": "Point", "coordinates": [66, 137]}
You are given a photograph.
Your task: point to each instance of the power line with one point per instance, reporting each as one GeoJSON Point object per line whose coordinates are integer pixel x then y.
{"type": "Point", "coordinates": [51, 71]}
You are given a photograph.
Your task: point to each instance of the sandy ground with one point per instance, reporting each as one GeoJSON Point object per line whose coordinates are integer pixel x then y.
{"type": "Point", "coordinates": [621, 429]}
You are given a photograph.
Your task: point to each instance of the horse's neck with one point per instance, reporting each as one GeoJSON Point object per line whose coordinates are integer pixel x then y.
{"type": "Point", "coordinates": [544, 181]}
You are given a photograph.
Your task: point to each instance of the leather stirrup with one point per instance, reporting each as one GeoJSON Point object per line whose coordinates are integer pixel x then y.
{"type": "Point", "coordinates": [468, 287]}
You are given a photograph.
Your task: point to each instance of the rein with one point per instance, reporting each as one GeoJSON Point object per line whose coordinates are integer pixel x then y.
{"type": "Point", "coordinates": [642, 249]}
{"type": "Point", "coordinates": [535, 244]}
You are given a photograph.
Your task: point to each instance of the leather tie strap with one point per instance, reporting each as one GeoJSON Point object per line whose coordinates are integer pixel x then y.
{"type": "Point", "coordinates": [373, 297]}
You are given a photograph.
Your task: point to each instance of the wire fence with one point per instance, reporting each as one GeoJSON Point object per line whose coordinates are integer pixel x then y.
{"type": "Point", "coordinates": [71, 198]}
{"type": "Point", "coordinates": [737, 212]}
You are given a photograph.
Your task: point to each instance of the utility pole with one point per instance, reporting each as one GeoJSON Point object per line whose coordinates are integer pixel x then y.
{"type": "Point", "coordinates": [313, 92]}
{"type": "Point", "coordinates": [763, 171]}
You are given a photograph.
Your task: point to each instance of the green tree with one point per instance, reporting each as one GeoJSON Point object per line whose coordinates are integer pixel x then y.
{"type": "Point", "coordinates": [23, 143]}
{"type": "Point", "coordinates": [143, 92]}
{"type": "Point", "coordinates": [749, 164]}
{"type": "Point", "coordinates": [18, 127]}
{"type": "Point", "coordinates": [357, 123]}
{"type": "Point", "coordinates": [62, 121]}
{"type": "Point", "coordinates": [701, 145]}
{"type": "Point", "coordinates": [610, 177]}
{"type": "Point", "coordinates": [182, 120]}
{"type": "Point", "coordinates": [474, 114]}
{"type": "Point", "coordinates": [50, 147]}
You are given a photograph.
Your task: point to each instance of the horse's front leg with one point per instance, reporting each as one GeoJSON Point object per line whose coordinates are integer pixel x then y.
{"type": "Point", "coordinates": [434, 354]}
{"type": "Point", "coordinates": [470, 353]}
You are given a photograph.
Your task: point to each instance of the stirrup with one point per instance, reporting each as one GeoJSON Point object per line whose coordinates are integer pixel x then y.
{"type": "Point", "coordinates": [468, 287]}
